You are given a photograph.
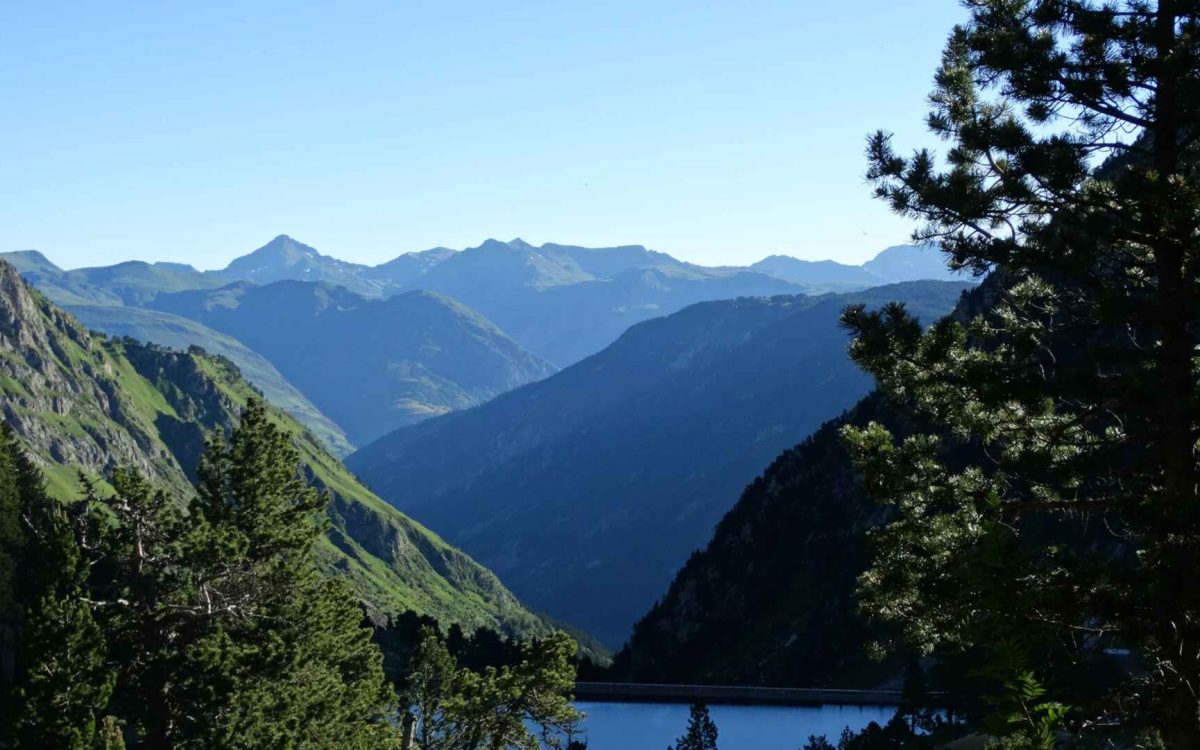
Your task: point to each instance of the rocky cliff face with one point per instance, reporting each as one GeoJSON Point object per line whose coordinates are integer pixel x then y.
{"type": "Point", "coordinates": [63, 391]}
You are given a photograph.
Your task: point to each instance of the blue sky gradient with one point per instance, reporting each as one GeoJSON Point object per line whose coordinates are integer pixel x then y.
{"type": "Point", "coordinates": [717, 132]}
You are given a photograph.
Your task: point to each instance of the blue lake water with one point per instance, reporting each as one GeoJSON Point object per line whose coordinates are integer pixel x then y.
{"type": "Point", "coordinates": [653, 726]}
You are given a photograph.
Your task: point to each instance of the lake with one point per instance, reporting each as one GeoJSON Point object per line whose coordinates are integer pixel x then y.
{"type": "Point", "coordinates": [653, 726]}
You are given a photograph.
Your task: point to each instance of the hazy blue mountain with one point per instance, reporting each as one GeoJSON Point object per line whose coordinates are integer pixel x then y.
{"type": "Point", "coordinates": [136, 282]}
{"type": "Point", "coordinates": [911, 262]}
{"type": "Point", "coordinates": [819, 273]}
{"type": "Point", "coordinates": [565, 302]}
{"type": "Point", "coordinates": [586, 491]}
{"type": "Point", "coordinates": [130, 283]}
{"type": "Point", "coordinates": [175, 332]}
{"type": "Point", "coordinates": [494, 267]}
{"type": "Point", "coordinates": [398, 273]}
{"type": "Point", "coordinates": [58, 285]}
{"type": "Point", "coordinates": [284, 258]}
{"type": "Point", "coordinates": [372, 365]}
{"type": "Point", "coordinates": [607, 262]}
{"type": "Point", "coordinates": [576, 321]}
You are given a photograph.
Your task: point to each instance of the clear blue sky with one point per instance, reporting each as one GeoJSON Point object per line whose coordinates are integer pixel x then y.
{"type": "Point", "coordinates": [719, 132]}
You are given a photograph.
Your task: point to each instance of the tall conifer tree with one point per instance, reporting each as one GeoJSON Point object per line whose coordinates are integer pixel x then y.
{"type": "Point", "coordinates": [1069, 511]}
{"type": "Point", "coordinates": [207, 627]}
{"type": "Point", "coordinates": [291, 664]}
{"type": "Point", "coordinates": [61, 680]}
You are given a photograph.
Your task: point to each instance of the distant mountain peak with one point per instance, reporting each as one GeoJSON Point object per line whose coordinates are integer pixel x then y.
{"type": "Point", "coordinates": [911, 262]}
{"type": "Point", "coordinates": [285, 257]}
{"type": "Point", "coordinates": [491, 243]}
{"type": "Point", "coordinates": [285, 244]}
{"type": "Point", "coordinates": [26, 260]}
{"type": "Point", "coordinates": [173, 266]}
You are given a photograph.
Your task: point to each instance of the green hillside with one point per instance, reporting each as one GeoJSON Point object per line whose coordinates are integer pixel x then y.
{"type": "Point", "coordinates": [175, 332]}
{"type": "Point", "coordinates": [81, 402]}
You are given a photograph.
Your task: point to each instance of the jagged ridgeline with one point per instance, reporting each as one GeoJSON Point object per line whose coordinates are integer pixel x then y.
{"type": "Point", "coordinates": [81, 402]}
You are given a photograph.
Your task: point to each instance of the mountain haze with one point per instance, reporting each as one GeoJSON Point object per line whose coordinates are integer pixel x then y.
{"type": "Point", "coordinates": [820, 273]}
{"type": "Point", "coordinates": [566, 302]}
{"type": "Point", "coordinates": [587, 490]}
{"type": "Point", "coordinates": [372, 365]}
{"type": "Point", "coordinates": [911, 262]}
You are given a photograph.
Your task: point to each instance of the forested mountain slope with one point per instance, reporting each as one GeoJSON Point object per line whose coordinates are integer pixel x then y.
{"type": "Point", "coordinates": [372, 365]}
{"type": "Point", "coordinates": [82, 402]}
{"type": "Point", "coordinates": [586, 491]}
{"type": "Point", "coordinates": [770, 599]}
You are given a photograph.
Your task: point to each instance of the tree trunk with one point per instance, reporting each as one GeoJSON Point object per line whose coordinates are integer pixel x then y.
{"type": "Point", "coordinates": [1180, 514]}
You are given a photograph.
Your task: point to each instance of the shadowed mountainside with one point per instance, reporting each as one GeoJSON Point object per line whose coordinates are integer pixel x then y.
{"type": "Point", "coordinates": [587, 490]}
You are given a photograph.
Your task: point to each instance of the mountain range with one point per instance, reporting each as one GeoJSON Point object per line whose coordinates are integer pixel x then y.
{"type": "Point", "coordinates": [372, 365]}
{"type": "Point", "coordinates": [567, 302]}
{"type": "Point", "coordinates": [517, 312]}
{"type": "Point", "coordinates": [82, 402]}
{"type": "Point", "coordinates": [586, 491]}
{"type": "Point", "coordinates": [585, 488]}
{"type": "Point", "coordinates": [891, 265]}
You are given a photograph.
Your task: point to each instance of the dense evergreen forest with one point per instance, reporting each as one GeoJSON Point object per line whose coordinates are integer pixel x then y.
{"type": "Point", "coordinates": [134, 618]}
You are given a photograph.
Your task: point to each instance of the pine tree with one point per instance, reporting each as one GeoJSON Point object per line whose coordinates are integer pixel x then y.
{"type": "Point", "coordinates": [11, 536]}
{"type": "Point", "coordinates": [141, 594]}
{"type": "Point", "coordinates": [209, 626]}
{"type": "Point", "coordinates": [701, 731]}
{"type": "Point", "coordinates": [11, 544]}
{"type": "Point", "coordinates": [288, 662]}
{"type": "Point", "coordinates": [62, 680]}
{"type": "Point", "coordinates": [223, 632]}
{"type": "Point", "coordinates": [1056, 498]}
{"type": "Point", "coordinates": [431, 679]}
{"type": "Point", "coordinates": [493, 708]}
